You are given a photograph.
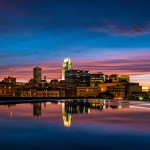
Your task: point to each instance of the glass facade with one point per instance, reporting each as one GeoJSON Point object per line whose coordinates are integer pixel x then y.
{"type": "Point", "coordinates": [67, 65]}
{"type": "Point", "coordinates": [74, 78]}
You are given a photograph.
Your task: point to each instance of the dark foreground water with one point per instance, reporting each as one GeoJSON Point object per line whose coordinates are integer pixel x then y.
{"type": "Point", "coordinates": [75, 125]}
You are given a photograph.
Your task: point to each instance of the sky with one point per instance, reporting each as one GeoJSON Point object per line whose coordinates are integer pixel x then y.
{"type": "Point", "coordinates": [109, 36]}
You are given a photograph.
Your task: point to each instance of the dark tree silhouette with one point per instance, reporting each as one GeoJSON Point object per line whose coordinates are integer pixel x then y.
{"type": "Point", "coordinates": [105, 95]}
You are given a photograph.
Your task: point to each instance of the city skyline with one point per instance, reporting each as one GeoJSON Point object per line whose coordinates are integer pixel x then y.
{"type": "Point", "coordinates": [74, 74]}
{"type": "Point", "coordinates": [100, 36]}
{"type": "Point", "coordinates": [42, 75]}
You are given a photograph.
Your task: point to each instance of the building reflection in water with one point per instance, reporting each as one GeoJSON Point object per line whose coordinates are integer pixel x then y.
{"type": "Point", "coordinates": [70, 107]}
{"type": "Point", "coordinates": [105, 104]}
{"type": "Point", "coordinates": [37, 108]}
{"type": "Point", "coordinates": [9, 106]}
{"type": "Point", "coordinates": [79, 107]}
{"type": "Point", "coordinates": [73, 107]}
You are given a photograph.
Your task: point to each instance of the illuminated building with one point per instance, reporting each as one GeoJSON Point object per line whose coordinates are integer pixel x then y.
{"type": "Point", "coordinates": [53, 93]}
{"type": "Point", "coordinates": [121, 89]}
{"type": "Point", "coordinates": [118, 91]}
{"type": "Point", "coordinates": [119, 78]}
{"type": "Point", "coordinates": [88, 91]}
{"type": "Point", "coordinates": [103, 86]}
{"type": "Point", "coordinates": [43, 93]}
{"type": "Point", "coordinates": [145, 89]}
{"type": "Point", "coordinates": [6, 90]}
{"type": "Point", "coordinates": [67, 65]}
{"type": "Point", "coordinates": [74, 78]}
{"type": "Point", "coordinates": [37, 74]}
{"type": "Point", "coordinates": [97, 78]}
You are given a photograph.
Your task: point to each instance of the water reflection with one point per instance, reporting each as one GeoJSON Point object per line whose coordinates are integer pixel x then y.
{"type": "Point", "coordinates": [71, 107]}
{"type": "Point", "coordinates": [92, 122]}
{"type": "Point", "coordinates": [37, 109]}
{"type": "Point", "coordinates": [82, 107]}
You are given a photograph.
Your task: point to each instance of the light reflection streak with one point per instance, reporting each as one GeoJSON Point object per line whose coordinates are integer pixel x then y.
{"type": "Point", "coordinates": [139, 107]}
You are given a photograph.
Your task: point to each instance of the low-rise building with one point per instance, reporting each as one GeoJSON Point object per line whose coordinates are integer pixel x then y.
{"type": "Point", "coordinates": [54, 83]}
{"type": "Point", "coordinates": [10, 80]}
{"type": "Point", "coordinates": [6, 89]}
{"type": "Point", "coordinates": [119, 78]}
{"type": "Point", "coordinates": [43, 93]}
{"type": "Point", "coordinates": [103, 86]}
{"type": "Point", "coordinates": [145, 89]}
{"type": "Point", "coordinates": [88, 91]}
{"type": "Point", "coordinates": [118, 91]}
{"type": "Point", "coordinates": [121, 90]}
{"type": "Point", "coordinates": [97, 78]}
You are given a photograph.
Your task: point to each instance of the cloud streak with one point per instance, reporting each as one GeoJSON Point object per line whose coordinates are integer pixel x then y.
{"type": "Point", "coordinates": [117, 29]}
{"type": "Point", "coordinates": [133, 65]}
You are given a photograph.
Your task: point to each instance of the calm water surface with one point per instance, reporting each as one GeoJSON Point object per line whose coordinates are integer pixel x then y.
{"type": "Point", "coordinates": [94, 124]}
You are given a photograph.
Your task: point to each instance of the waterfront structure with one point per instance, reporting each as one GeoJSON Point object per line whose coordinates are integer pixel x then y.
{"type": "Point", "coordinates": [42, 93]}
{"type": "Point", "coordinates": [74, 78]}
{"type": "Point", "coordinates": [88, 91]}
{"type": "Point", "coordinates": [121, 90]}
{"type": "Point", "coordinates": [118, 91]}
{"type": "Point", "coordinates": [67, 65]}
{"type": "Point", "coordinates": [37, 74]}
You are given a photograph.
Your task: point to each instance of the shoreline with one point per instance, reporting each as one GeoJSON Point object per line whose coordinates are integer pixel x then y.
{"type": "Point", "coordinates": [19, 100]}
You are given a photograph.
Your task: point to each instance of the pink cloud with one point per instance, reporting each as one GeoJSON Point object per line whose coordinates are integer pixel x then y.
{"type": "Point", "coordinates": [134, 65]}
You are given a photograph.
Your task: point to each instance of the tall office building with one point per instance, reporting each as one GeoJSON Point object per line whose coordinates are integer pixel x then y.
{"type": "Point", "coordinates": [74, 78]}
{"type": "Point", "coordinates": [67, 65]}
{"type": "Point", "coordinates": [37, 74]}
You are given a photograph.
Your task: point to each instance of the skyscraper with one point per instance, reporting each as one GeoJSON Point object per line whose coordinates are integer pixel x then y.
{"type": "Point", "coordinates": [74, 78]}
{"type": "Point", "coordinates": [37, 74]}
{"type": "Point", "coordinates": [67, 65]}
